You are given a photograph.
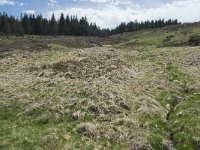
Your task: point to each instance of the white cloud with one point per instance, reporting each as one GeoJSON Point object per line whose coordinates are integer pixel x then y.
{"type": "Point", "coordinates": [109, 15]}
{"type": "Point", "coordinates": [184, 10]}
{"type": "Point", "coordinates": [94, 1]}
{"type": "Point", "coordinates": [111, 2]}
{"type": "Point", "coordinates": [52, 3]}
{"type": "Point", "coordinates": [20, 4]}
{"type": "Point", "coordinates": [6, 2]}
{"type": "Point", "coordinates": [10, 2]}
{"type": "Point", "coordinates": [28, 11]}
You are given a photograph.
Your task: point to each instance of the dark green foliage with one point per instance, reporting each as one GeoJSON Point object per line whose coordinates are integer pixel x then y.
{"type": "Point", "coordinates": [53, 26]}
{"type": "Point", "coordinates": [62, 25]}
{"type": "Point", "coordinates": [134, 26]}
{"type": "Point", "coordinates": [19, 31]}
{"type": "Point", "coordinates": [69, 25]}
{"type": "Point", "coordinates": [84, 26]}
{"type": "Point", "coordinates": [156, 142]}
{"type": "Point", "coordinates": [37, 25]}
{"type": "Point", "coordinates": [194, 40]}
{"type": "Point", "coordinates": [25, 23]}
{"type": "Point", "coordinates": [7, 28]}
{"type": "Point", "coordinates": [74, 25]}
{"type": "Point", "coordinates": [45, 27]}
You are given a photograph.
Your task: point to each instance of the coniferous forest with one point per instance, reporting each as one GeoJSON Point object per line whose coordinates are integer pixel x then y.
{"type": "Point", "coordinates": [69, 25]}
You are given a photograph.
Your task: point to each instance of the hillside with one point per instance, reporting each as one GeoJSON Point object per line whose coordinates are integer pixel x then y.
{"type": "Point", "coordinates": [172, 36]}
{"type": "Point", "coordinates": [137, 90]}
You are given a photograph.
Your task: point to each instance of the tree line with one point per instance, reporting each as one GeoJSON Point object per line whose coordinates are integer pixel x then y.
{"type": "Point", "coordinates": [38, 25]}
{"type": "Point", "coordinates": [68, 25]}
{"type": "Point", "coordinates": [134, 26]}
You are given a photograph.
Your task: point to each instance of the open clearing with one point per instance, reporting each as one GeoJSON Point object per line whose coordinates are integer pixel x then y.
{"type": "Point", "coordinates": [131, 91]}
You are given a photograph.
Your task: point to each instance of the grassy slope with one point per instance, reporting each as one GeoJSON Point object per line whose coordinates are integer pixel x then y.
{"type": "Point", "coordinates": [181, 65]}
{"type": "Point", "coordinates": [143, 96]}
{"type": "Point", "coordinates": [162, 37]}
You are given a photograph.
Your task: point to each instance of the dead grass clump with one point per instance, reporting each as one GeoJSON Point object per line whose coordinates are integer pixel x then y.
{"type": "Point", "coordinates": [39, 108]}
{"type": "Point", "coordinates": [124, 106]}
{"type": "Point", "coordinates": [45, 66]}
{"type": "Point", "coordinates": [124, 131]}
{"type": "Point", "coordinates": [191, 58]}
{"type": "Point", "coordinates": [138, 143]}
{"type": "Point", "coordinates": [167, 144]}
{"type": "Point", "coordinates": [130, 123]}
{"type": "Point", "coordinates": [148, 105]}
{"type": "Point", "coordinates": [33, 110]}
{"type": "Point", "coordinates": [4, 55]}
{"type": "Point", "coordinates": [44, 119]}
{"type": "Point", "coordinates": [102, 109]}
{"type": "Point", "coordinates": [194, 40]}
{"type": "Point", "coordinates": [3, 104]}
{"type": "Point", "coordinates": [33, 68]}
{"type": "Point", "coordinates": [77, 115]}
{"type": "Point", "coordinates": [86, 129]}
{"type": "Point", "coordinates": [88, 68]}
{"type": "Point", "coordinates": [168, 38]}
{"type": "Point", "coordinates": [93, 109]}
{"type": "Point", "coordinates": [51, 142]}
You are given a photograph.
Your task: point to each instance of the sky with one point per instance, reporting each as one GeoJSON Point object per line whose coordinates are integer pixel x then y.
{"type": "Point", "coordinates": [108, 13]}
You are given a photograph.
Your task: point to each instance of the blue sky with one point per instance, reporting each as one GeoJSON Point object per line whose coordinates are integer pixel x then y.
{"type": "Point", "coordinates": [108, 13]}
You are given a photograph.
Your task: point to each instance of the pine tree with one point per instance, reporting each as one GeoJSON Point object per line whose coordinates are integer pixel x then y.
{"type": "Point", "coordinates": [7, 28]}
{"type": "Point", "coordinates": [12, 24]}
{"type": "Point", "coordinates": [2, 23]}
{"type": "Point", "coordinates": [19, 29]}
{"type": "Point", "coordinates": [53, 26]}
{"type": "Point", "coordinates": [129, 27]}
{"type": "Point", "coordinates": [159, 23]}
{"type": "Point", "coordinates": [152, 24]}
{"type": "Point", "coordinates": [68, 26]}
{"type": "Point", "coordinates": [74, 25]}
{"type": "Point", "coordinates": [84, 26]}
{"type": "Point", "coordinates": [62, 25]}
{"type": "Point", "coordinates": [25, 23]}
{"type": "Point", "coordinates": [45, 27]}
{"type": "Point", "coordinates": [163, 22]}
{"type": "Point", "coordinates": [38, 25]}
{"type": "Point", "coordinates": [32, 24]}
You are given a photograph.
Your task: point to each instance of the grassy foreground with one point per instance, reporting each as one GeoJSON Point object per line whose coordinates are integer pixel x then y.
{"type": "Point", "coordinates": [141, 93]}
